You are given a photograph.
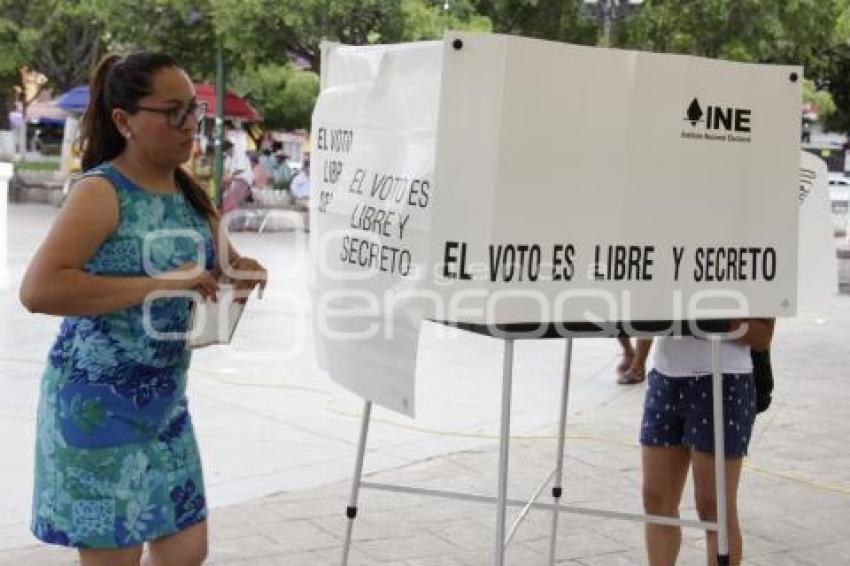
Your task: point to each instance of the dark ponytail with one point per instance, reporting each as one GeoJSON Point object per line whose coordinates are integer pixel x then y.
{"type": "Point", "coordinates": [99, 137]}
{"type": "Point", "coordinates": [195, 194]}
{"type": "Point", "coordinates": [120, 82]}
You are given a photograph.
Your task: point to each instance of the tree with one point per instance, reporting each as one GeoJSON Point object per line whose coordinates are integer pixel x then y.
{"type": "Point", "coordinates": [292, 33]}
{"type": "Point", "coordinates": [507, 16]}
{"type": "Point", "coordinates": [283, 94]}
{"type": "Point", "coordinates": [59, 40]}
{"type": "Point", "coordinates": [820, 99]}
{"type": "Point", "coordinates": [837, 81]}
{"type": "Point", "coordinates": [292, 30]}
{"type": "Point", "coordinates": [811, 33]}
{"type": "Point", "coordinates": [276, 31]}
{"type": "Point", "coordinates": [836, 76]}
{"type": "Point", "coordinates": [430, 20]}
{"type": "Point", "coordinates": [761, 31]}
{"type": "Point", "coordinates": [557, 20]}
{"type": "Point", "coordinates": [185, 29]}
{"type": "Point", "coordinates": [12, 56]}
{"type": "Point", "coordinates": [62, 41]}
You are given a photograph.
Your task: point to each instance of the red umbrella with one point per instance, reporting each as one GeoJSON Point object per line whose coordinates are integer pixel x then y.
{"type": "Point", "coordinates": [235, 107]}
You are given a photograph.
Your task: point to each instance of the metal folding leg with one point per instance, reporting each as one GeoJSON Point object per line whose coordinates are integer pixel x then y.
{"type": "Point", "coordinates": [719, 454]}
{"type": "Point", "coordinates": [504, 443]}
{"type": "Point", "coordinates": [351, 510]}
{"type": "Point", "coordinates": [501, 499]}
{"type": "Point", "coordinates": [559, 457]}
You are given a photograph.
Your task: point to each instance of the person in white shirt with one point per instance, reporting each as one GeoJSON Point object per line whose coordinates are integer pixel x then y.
{"type": "Point", "coordinates": [300, 191]}
{"type": "Point", "coordinates": [237, 180]}
{"type": "Point", "coordinates": [300, 186]}
{"type": "Point", "coordinates": [677, 432]}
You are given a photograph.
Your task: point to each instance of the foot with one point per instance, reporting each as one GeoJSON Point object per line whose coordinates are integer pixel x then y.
{"type": "Point", "coordinates": [632, 376]}
{"type": "Point", "coordinates": [625, 362]}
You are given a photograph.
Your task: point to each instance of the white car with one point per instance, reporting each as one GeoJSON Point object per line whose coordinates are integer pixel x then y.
{"type": "Point", "coordinates": [839, 197]}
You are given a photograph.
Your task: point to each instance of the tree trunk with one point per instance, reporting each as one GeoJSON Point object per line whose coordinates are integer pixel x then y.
{"type": "Point", "coordinates": [4, 114]}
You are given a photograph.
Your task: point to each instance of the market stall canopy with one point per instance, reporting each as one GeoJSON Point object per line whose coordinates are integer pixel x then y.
{"type": "Point", "coordinates": [75, 100]}
{"type": "Point", "coordinates": [45, 113]}
{"type": "Point", "coordinates": [235, 107]}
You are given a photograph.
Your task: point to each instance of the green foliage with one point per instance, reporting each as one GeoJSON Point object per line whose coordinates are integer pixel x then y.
{"type": "Point", "coordinates": [266, 42]}
{"type": "Point", "coordinates": [60, 40]}
{"type": "Point", "coordinates": [431, 20]}
{"type": "Point", "coordinates": [37, 166]}
{"type": "Point", "coordinates": [558, 20]}
{"type": "Point", "coordinates": [811, 33]}
{"type": "Point", "coordinates": [57, 39]}
{"type": "Point", "coordinates": [12, 56]}
{"type": "Point", "coordinates": [283, 94]}
{"type": "Point", "coordinates": [820, 99]}
{"type": "Point", "coordinates": [292, 31]}
{"type": "Point", "coordinates": [837, 82]}
{"type": "Point", "coordinates": [275, 31]}
{"type": "Point", "coordinates": [184, 29]}
{"type": "Point", "coordinates": [763, 31]}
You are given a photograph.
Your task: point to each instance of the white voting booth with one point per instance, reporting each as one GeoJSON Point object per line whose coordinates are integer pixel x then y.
{"type": "Point", "coordinates": [527, 189]}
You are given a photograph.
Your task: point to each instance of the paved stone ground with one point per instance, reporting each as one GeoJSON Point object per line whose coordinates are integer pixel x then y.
{"type": "Point", "coordinates": [795, 492]}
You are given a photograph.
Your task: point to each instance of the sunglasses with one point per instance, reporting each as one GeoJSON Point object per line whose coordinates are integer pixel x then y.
{"type": "Point", "coordinates": [177, 115]}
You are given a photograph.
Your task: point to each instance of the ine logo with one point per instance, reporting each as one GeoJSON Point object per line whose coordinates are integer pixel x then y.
{"type": "Point", "coordinates": [694, 113]}
{"type": "Point", "coordinates": [719, 123]}
{"type": "Point", "coordinates": [719, 117]}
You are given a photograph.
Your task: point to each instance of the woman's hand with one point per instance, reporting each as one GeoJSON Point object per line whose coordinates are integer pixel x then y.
{"type": "Point", "coordinates": [248, 273]}
{"type": "Point", "coordinates": [190, 277]}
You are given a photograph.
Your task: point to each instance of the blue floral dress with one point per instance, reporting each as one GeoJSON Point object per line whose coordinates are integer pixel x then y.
{"type": "Point", "coordinates": [117, 463]}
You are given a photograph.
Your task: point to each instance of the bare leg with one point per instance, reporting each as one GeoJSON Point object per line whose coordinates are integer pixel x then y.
{"type": "Point", "coordinates": [642, 348]}
{"type": "Point", "coordinates": [627, 355]}
{"type": "Point", "coordinates": [664, 473]}
{"type": "Point", "coordinates": [110, 557]}
{"type": "Point", "coordinates": [186, 548]}
{"type": "Point", "coordinates": [706, 503]}
{"type": "Point", "coordinates": [636, 372]}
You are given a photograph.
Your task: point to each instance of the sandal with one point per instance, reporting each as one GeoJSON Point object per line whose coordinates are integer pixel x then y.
{"type": "Point", "coordinates": [631, 377]}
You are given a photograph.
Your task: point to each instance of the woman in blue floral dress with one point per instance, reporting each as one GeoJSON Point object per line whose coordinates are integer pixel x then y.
{"type": "Point", "coordinates": [117, 464]}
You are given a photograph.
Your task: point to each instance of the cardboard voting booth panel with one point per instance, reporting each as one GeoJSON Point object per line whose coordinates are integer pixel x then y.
{"type": "Point", "coordinates": [614, 174]}
{"type": "Point", "coordinates": [489, 179]}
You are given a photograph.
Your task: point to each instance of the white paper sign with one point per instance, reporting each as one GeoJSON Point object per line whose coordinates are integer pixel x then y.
{"type": "Point", "coordinates": [373, 136]}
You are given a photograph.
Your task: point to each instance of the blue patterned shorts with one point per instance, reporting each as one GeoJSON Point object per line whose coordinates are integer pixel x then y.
{"type": "Point", "coordinates": [678, 412]}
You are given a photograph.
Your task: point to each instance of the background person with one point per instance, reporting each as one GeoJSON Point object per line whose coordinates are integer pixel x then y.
{"type": "Point", "coordinates": [282, 172]}
{"type": "Point", "coordinates": [261, 177]}
{"type": "Point", "coordinates": [300, 186]}
{"type": "Point", "coordinates": [677, 433]}
{"type": "Point", "coordinates": [632, 367]}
